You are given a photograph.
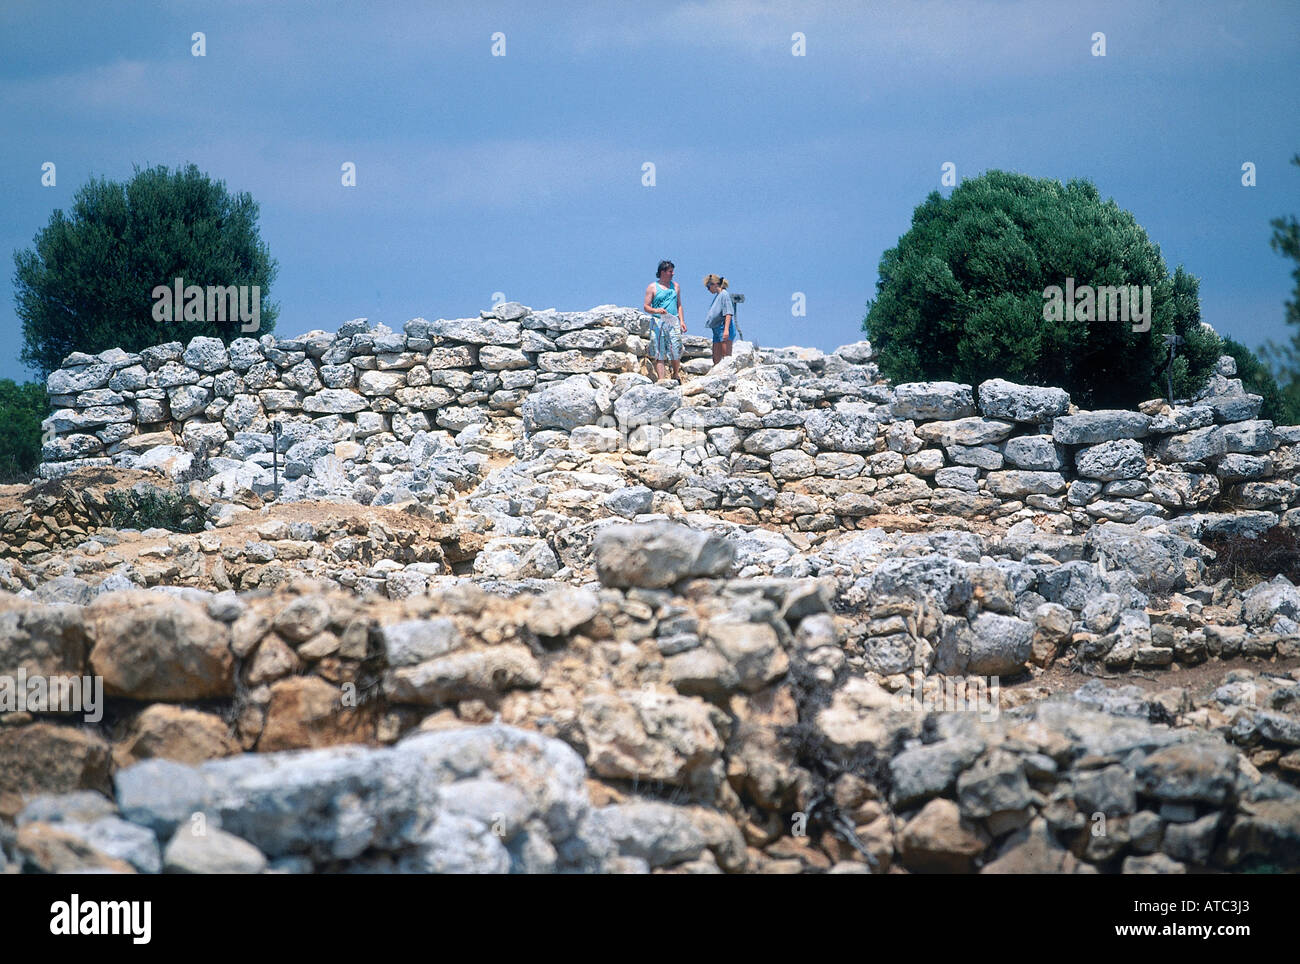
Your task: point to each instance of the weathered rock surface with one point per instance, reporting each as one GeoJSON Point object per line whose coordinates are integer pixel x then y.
{"type": "Point", "coordinates": [517, 608]}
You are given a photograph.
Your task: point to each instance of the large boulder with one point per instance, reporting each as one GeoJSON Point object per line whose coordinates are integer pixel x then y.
{"type": "Point", "coordinates": [932, 400]}
{"type": "Point", "coordinates": [175, 733]}
{"type": "Point", "coordinates": [562, 405]}
{"type": "Point", "coordinates": [647, 735]}
{"type": "Point", "coordinates": [466, 800]}
{"type": "Point", "coordinates": [931, 770]}
{"type": "Point", "coordinates": [990, 645]}
{"type": "Point", "coordinates": [212, 852]}
{"type": "Point", "coordinates": [206, 354]}
{"type": "Point", "coordinates": [413, 641]}
{"type": "Point", "coordinates": [647, 405]}
{"type": "Point", "coordinates": [476, 331]}
{"type": "Point", "coordinates": [1203, 771]}
{"type": "Point", "coordinates": [848, 427]}
{"type": "Point", "coordinates": [1235, 407]}
{"type": "Point", "coordinates": [1035, 452]}
{"type": "Point", "coordinates": [47, 640]}
{"type": "Point", "coordinates": [151, 648]}
{"type": "Point", "coordinates": [936, 578]}
{"type": "Point", "coordinates": [1016, 484]}
{"type": "Point", "coordinates": [658, 833]}
{"type": "Point", "coordinates": [1021, 403]}
{"type": "Point", "coordinates": [471, 674]}
{"type": "Point", "coordinates": [1091, 428]}
{"type": "Point", "coordinates": [48, 758]}
{"type": "Point", "coordinates": [966, 431]}
{"type": "Point", "coordinates": [1159, 561]}
{"type": "Point", "coordinates": [938, 840]}
{"type": "Point", "coordinates": [1252, 437]}
{"type": "Point", "coordinates": [659, 555]}
{"type": "Point", "coordinates": [1197, 445]}
{"type": "Point", "coordinates": [1263, 601]}
{"type": "Point", "coordinates": [307, 711]}
{"type": "Point", "coordinates": [1109, 461]}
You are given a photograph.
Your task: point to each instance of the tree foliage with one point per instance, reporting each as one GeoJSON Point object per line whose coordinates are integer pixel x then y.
{"type": "Point", "coordinates": [22, 409]}
{"type": "Point", "coordinates": [87, 284]}
{"type": "Point", "coordinates": [961, 297]}
{"type": "Point", "coordinates": [1284, 358]}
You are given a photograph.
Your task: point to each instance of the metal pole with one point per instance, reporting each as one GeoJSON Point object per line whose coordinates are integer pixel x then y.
{"type": "Point", "coordinates": [1173, 341]}
{"type": "Point", "coordinates": [275, 456]}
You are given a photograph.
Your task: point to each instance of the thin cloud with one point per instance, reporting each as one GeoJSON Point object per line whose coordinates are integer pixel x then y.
{"type": "Point", "coordinates": [401, 176]}
{"type": "Point", "coordinates": [122, 86]}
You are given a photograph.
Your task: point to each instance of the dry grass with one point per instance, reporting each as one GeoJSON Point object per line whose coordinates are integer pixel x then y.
{"type": "Point", "coordinates": [1248, 561]}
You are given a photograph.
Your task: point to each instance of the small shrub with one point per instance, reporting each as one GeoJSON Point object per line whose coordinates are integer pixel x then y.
{"type": "Point", "coordinates": [1248, 561]}
{"type": "Point", "coordinates": [199, 470]}
{"type": "Point", "coordinates": [150, 508]}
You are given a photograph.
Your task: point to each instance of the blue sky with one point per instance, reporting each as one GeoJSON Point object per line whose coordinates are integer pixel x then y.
{"type": "Point", "coordinates": [523, 174]}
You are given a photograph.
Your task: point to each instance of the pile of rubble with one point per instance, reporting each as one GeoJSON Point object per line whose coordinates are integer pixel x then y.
{"type": "Point", "coordinates": [672, 717]}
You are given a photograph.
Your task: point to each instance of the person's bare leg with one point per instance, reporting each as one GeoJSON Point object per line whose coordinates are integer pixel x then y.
{"type": "Point", "coordinates": [718, 352]}
{"type": "Point", "coordinates": [677, 369]}
{"type": "Point", "coordinates": [659, 370]}
{"type": "Point", "coordinates": [726, 347]}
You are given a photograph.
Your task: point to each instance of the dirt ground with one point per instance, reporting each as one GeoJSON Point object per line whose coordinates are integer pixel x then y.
{"type": "Point", "coordinates": [1200, 681]}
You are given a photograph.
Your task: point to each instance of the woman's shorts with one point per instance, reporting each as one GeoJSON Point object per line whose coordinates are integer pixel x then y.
{"type": "Point", "coordinates": [666, 339]}
{"type": "Point", "coordinates": [717, 336]}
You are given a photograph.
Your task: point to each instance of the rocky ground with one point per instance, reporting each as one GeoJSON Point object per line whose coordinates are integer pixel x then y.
{"type": "Point", "coordinates": [781, 618]}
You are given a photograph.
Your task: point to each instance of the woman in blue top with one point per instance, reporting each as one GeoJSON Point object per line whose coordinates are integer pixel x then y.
{"type": "Point", "coordinates": [663, 300]}
{"type": "Point", "coordinates": [721, 317]}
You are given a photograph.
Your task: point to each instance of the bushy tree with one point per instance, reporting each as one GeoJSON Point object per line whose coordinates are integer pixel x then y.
{"type": "Point", "coordinates": [962, 295]}
{"type": "Point", "coordinates": [1284, 358]}
{"type": "Point", "coordinates": [1256, 378]}
{"type": "Point", "coordinates": [22, 408]}
{"type": "Point", "coordinates": [87, 285]}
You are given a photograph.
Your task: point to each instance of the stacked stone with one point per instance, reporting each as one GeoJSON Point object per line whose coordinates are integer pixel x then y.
{"type": "Point", "coordinates": [741, 438]}
{"type": "Point", "coordinates": [362, 396]}
{"type": "Point", "coordinates": [63, 517]}
{"type": "Point", "coordinates": [820, 444]}
{"type": "Point", "coordinates": [793, 437]}
{"type": "Point", "coordinates": [1018, 449]}
{"type": "Point", "coordinates": [96, 411]}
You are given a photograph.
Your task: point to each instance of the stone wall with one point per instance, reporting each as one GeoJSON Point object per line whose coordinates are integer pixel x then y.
{"type": "Point", "coordinates": [666, 680]}
{"type": "Point", "coordinates": [819, 442]}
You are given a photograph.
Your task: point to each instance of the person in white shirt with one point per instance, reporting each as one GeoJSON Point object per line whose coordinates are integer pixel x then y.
{"type": "Point", "coordinates": [721, 317]}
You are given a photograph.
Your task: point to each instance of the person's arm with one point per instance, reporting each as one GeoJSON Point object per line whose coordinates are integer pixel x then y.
{"type": "Point", "coordinates": [726, 326]}
{"type": "Point", "coordinates": [681, 318]}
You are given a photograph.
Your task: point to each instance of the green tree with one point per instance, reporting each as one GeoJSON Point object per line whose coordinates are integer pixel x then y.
{"type": "Point", "coordinates": [22, 409]}
{"type": "Point", "coordinates": [88, 283]}
{"type": "Point", "coordinates": [1284, 358]}
{"type": "Point", "coordinates": [961, 297]}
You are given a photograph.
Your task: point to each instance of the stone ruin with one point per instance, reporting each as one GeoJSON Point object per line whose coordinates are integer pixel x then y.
{"type": "Point", "coordinates": [480, 596]}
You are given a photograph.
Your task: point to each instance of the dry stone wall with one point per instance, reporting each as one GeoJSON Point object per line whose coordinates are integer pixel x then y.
{"type": "Point", "coordinates": [818, 442]}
